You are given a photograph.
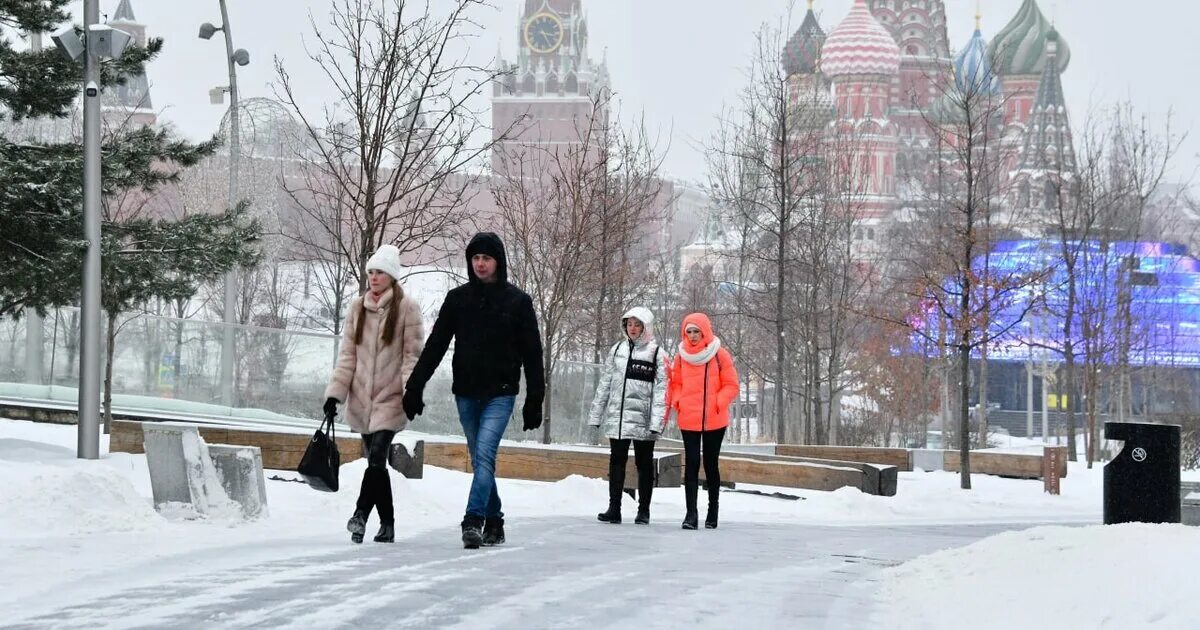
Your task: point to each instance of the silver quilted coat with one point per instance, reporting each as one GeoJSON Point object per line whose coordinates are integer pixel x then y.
{"type": "Point", "coordinates": [630, 401]}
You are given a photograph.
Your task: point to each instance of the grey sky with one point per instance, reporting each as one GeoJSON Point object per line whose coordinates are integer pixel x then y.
{"type": "Point", "coordinates": [679, 61]}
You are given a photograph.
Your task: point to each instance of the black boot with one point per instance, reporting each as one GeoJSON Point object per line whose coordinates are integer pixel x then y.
{"type": "Point", "coordinates": [472, 532]}
{"type": "Point", "coordinates": [710, 521]}
{"type": "Point", "coordinates": [689, 496]}
{"type": "Point", "coordinates": [613, 515]}
{"type": "Point", "coordinates": [493, 531]}
{"type": "Point", "coordinates": [357, 525]}
{"type": "Point", "coordinates": [645, 491]}
{"type": "Point", "coordinates": [387, 533]}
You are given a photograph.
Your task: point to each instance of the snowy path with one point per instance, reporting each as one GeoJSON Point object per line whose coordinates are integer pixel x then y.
{"type": "Point", "coordinates": [551, 573]}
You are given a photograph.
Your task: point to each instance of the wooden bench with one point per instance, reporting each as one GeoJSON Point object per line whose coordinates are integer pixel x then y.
{"type": "Point", "coordinates": [280, 450]}
{"type": "Point", "coordinates": [807, 473]}
{"type": "Point", "coordinates": [898, 457]}
{"type": "Point", "coordinates": [548, 463]}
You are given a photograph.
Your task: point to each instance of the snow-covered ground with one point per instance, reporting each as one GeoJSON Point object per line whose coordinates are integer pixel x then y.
{"type": "Point", "coordinates": [73, 531]}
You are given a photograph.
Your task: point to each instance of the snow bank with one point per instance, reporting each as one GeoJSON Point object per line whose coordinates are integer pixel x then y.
{"type": "Point", "coordinates": [1122, 576]}
{"type": "Point", "coordinates": [47, 492]}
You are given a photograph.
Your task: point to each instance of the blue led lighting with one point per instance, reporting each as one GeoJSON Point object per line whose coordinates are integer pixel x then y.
{"type": "Point", "coordinates": [1160, 282]}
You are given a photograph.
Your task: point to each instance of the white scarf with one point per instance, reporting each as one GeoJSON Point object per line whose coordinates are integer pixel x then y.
{"type": "Point", "coordinates": [702, 357]}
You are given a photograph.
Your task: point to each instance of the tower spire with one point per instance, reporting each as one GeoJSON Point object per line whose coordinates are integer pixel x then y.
{"type": "Point", "coordinates": [978, 15]}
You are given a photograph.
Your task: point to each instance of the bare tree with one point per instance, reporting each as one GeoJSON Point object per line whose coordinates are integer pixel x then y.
{"type": "Point", "coordinates": [941, 257]}
{"type": "Point", "coordinates": [387, 161]}
{"type": "Point", "coordinates": [554, 203]}
{"type": "Point", "coordinates": [763, 162]}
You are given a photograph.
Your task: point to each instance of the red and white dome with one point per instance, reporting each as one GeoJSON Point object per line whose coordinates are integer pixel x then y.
{"type": "Point", "coordinates": [860, 45]}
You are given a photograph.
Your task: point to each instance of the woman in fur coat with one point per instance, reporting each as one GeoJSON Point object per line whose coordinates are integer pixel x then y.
{"type": "Point", "coordinates": [381, 342]}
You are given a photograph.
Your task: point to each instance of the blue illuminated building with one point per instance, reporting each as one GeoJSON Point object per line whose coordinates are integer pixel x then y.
{"type": "Point", "coordinates": [1153, 286]}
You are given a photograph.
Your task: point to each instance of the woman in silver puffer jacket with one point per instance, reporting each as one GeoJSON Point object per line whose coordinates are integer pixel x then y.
{"type": "Point", "coordinates": [631, 404]}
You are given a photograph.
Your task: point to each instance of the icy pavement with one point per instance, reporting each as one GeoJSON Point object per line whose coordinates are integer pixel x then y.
{"type": "Point", "coordinates": [552, 572]}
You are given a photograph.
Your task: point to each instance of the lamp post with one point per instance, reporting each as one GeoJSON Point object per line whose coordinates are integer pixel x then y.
{"type": "Point", "coordinates": [233, 58]}
{"type": "Point", "coordinates": [99, 42]}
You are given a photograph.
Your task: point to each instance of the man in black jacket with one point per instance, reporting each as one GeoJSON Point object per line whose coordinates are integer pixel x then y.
{"type": "Point", "coordinates": [495, 333]}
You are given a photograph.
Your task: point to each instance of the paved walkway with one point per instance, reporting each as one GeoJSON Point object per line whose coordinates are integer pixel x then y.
{"type": "Point", "coordinates": [552, 573]}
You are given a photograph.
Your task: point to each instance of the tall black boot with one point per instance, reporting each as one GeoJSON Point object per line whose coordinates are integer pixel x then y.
{"type": "Point", "coordinates": [645, 491]}
{"type": "Point", "coordinates": [691, 517]}
{"type": "Point", "coordinates": [616, 485]}
{"type": "Point", "coordinates": [383, 496]}
{"type": "Point", "coordinates": [357, 525]}
{"type": "Point", "coordinates": [383, 505]}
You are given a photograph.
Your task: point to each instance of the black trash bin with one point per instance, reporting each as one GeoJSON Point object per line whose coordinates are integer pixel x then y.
{"type": "Point", "coordinates": [1141, 484]}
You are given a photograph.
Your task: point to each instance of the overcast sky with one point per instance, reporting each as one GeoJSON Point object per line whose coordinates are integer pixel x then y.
{"type": "Point", "coordinates": [679, 61]}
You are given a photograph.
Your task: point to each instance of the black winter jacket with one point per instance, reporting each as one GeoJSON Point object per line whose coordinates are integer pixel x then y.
{"type": "Point", "coordinates": [495, 333]}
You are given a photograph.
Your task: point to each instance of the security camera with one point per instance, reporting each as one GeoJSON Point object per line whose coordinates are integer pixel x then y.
{"type": "Point", "coordinates": [91, 89]}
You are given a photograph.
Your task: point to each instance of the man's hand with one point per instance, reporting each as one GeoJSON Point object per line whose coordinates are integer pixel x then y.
{"type": "Point", "coordinates": [412, 403]}
{"type": "Point", "coordinates": [532, 415]}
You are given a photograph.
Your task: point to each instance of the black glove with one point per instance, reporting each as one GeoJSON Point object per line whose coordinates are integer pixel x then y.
{"type": "Point", "coordinates": [330, 406]}
{"type": "Point", "coordinates": [412, 403]}
{"type": "Point", "coordinates": [533, 415]}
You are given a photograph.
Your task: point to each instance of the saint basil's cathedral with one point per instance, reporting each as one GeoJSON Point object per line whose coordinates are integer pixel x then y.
{"type": "Point", "coordinates": [878, 73]}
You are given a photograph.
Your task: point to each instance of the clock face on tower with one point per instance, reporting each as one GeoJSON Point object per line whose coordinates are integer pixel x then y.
{"type": "Point", "coordinates": [544, 32]}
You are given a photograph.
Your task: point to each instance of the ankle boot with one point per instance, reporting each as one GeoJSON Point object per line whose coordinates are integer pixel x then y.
{"type": "Point", "coordinates": [472, 532]}
{"type": "Point", "coordinates": [612, 516]}
{"type": "Point", "coordinates": [710, 521]}
{"type": "Point", "coordinates": [387, 533]}
{"type": "Point", "coordinates": [690, 519]}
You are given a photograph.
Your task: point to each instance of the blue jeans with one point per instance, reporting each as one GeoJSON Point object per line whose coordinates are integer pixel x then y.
{"type": "Point", "coordinates": [483, 422]}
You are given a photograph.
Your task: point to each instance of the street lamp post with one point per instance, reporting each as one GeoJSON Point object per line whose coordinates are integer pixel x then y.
{"type": "Point", "coordinates": [89, 305]}
{"type": "Point", "coordinates": [233, 58]}
{"type": "Point", "coordinates": [99, 42]}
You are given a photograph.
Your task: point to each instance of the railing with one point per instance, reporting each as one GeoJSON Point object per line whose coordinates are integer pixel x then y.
{"type": "Point", "coordinates": [170, 365]}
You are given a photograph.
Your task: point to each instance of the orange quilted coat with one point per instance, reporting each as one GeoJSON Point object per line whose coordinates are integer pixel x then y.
{"type": "Point", "coordinates": [700, 395]}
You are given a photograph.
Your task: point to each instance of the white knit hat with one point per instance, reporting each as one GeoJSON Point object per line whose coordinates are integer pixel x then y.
{"type": "Point", "coordinates": [387, 260]}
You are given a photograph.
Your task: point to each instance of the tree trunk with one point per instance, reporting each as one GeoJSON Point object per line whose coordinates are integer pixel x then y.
{"type": "Point", "coordinates": [983, 392]}
{"type": "Point", "coordinates": [964, 425]}
{"type": "Point", "coordinates": [548, 367]}
{"type": "Point", "coordinates": [111, 337]}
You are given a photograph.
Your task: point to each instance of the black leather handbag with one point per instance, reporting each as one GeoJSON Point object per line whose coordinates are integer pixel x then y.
{"type": "Point", "coordinates": [321, 460]}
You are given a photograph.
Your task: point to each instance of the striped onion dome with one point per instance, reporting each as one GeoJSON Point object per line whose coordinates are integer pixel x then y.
{"type": "Point", "coordinates": [860, 45]}
{"type": "Point", "coordinates": [972, 68]}
{"type": "Point", "coordinates": [802, 55]}
{"type": "Point", "coordinates": [1020, 47]}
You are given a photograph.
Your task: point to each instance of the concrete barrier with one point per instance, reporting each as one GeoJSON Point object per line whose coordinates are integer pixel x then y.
{"type": "Point", "coordinates": [181, 470]}
{"type": "Point", "coordinates": [240, 470]}
{"type": "Point", "coordinates": [408, 458]}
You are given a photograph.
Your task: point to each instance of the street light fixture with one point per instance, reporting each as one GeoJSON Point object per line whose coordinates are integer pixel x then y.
{"type": "Point", "coordinates": [233, 59]}
{"type": "Point", "coordinates": [207, 30]}
{"type": "Point", "coordinates": [99, 42]}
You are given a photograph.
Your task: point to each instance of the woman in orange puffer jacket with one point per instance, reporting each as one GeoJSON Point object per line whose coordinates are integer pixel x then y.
{"type": "Point", "coordinates": [703, 383]}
